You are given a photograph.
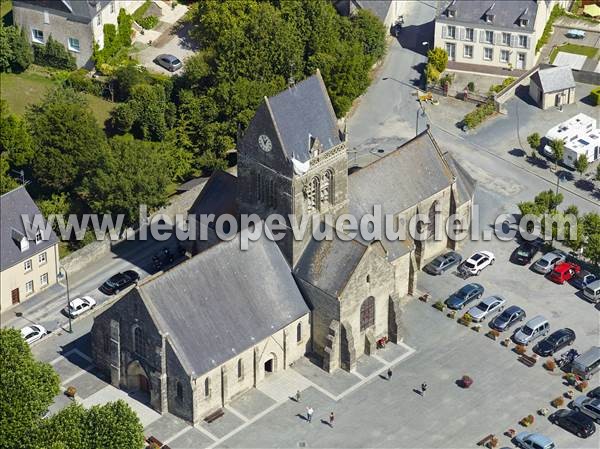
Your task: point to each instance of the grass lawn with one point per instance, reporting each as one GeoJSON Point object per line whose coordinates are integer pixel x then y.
{"type": "Point", "coordinates": [29, 87]}
{"type": "Point", "coordinates": [590, 52]}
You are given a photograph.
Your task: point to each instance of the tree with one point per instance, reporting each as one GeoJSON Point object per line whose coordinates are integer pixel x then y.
{"type": "Point", "coordinates": [15, 52]}
{"type": "Point", "coordinates": [548, 201]}
{"type": "Point", "coordinates": [115, 425]}
{"type": "Point", "coordinates": [438, 57]}
{"type": "Point", "coordinates": [28, 388]}
{"type": "Point", "coordinates": [581, 164]}
{"type": "Point", "coordinates": [131, 173]}
{"type": "Point", "coordinates": [369, 30]}
{"type": "Point", "coordinates": [534, 140]}
{"type": "Point", "coordinates": [432, 75]}
{"type": "Point", "coordinates": [591, 249]}
{"type": "Point", "coordinates": [68, 140]}
{"type": "Point", "coordinates": [558, 150]}
{"type": "Point", "coordinates": [15, 139]}
{"type": "Point", "coordinates": [7, 182]}
{"type": "Point", "coordinates": [148, 105]}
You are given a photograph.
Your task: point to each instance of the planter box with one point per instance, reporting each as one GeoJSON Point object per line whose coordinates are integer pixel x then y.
{"type": "Point", "coordinates": [451, 314]}
{"type": "Point", "coordinates": [70, 392]}
{"type": "Point", "coordinates": [466, 381]}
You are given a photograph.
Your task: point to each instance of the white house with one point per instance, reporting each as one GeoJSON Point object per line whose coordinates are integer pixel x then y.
{"type": "Point", "coordinates": [580, 135]}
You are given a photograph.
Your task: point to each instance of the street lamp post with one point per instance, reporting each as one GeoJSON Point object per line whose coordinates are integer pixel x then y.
{"type": "Point", "coordinates": [66, 276]}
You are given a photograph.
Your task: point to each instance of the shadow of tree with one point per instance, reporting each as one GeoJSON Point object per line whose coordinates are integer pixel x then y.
{"type": "Point", "coordinates": [517, 152]}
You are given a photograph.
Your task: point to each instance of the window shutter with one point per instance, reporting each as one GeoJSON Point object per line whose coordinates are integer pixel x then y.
{"type": "Point", "coordinates": [513, 40]}
{"type": "Point", "coordinates": [462, 33]}
{"type": "Point", "coordinates": [444, 31]}
{"type": "Point", "coordinates": [482, 36]}
{"type": "Point", "coordinates": [528, 41]}
{"type": "Point", "coordinates": [497, 37]}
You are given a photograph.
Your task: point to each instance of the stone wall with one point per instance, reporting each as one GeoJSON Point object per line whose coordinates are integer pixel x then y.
{"type": "Point", "coordinates": [178, 204]}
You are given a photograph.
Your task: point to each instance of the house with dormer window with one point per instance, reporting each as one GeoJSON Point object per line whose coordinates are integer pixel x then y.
{"type": "Point", "coordinates": [28, 260]}
{"type": "Point", "coordinates": [484, 35]}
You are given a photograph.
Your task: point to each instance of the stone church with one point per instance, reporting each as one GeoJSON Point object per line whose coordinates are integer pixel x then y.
{"type": "Point", "coordinates": [218, 324]}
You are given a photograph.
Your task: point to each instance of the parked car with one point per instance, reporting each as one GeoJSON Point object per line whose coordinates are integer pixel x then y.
{"type": "Point", "coordinates": [564, 272]}
{"type": "Point", "coordinates": [592, 291]}
{"type": "Point", "coordinates": [573, 421]}
{"type": "Point", "coordinates": [477, 262]}
{"type": "Point", "coordinates": [582, 279]}
{"type": "Point", "coordinates": [535, 328]}
{"type": "Point", "coordinates": [575, 34]}
{"type": "Point", "coordinates": [169, 62]}
{"type": "Point", "coordinates": [532, 440]}
{"type": "Point", "coordinates": [487, 307]}
{"type": "Point", "coordinates": [548, 261]}
{"type": "Point", "coordinates": [464, 296]}
{"type": "Point", "coordinates": [594, 393]}
{"type": "Point", "coordinates": [508, 318]}
{"type": "Point", "coordinates": [33, 333]}
{"type": "Point", "coordinates": [443, 263]}
{"type": "Point", "coordinates": [588, 406]}
{"type": "Point", "coordinates": [80, 305]}
{"type": "Point", "coordinates": [525, 253]}
{"type": "Point", "coordinates": [119, 282]}
{"type": "Point", "coordinates": [556, 341]}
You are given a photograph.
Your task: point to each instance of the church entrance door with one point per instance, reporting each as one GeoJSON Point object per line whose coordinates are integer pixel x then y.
{"type": "Point", "coordinates": [269, 366]}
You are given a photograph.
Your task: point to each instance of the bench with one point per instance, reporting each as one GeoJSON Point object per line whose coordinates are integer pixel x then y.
{"type": "Point", "coordinates": [528, 360]}
{"type": "Point", "coordinates": [214, 416]}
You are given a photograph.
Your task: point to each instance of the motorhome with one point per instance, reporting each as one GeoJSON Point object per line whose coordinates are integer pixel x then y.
{"type": "Point", "coordinates": [571, 131]}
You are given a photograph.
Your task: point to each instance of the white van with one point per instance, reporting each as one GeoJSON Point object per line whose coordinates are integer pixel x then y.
{"type": "Point", "coordinates": [534, 328]}
{"type": "Point", "coordinates": [592, 291]}
{"type": "Point", "coordinates": [588, 363]}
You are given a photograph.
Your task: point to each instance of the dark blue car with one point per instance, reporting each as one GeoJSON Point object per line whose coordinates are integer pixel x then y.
{"type": "Point", "coordinates": [464, 296]}
{"type": "Point", "coordinates": [582, 279]}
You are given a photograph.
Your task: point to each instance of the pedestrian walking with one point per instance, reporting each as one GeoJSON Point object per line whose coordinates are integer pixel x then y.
{"type": "Point", "coordinates": [298, 396]}
{"type": "Point", "coordinates": [309, 413]}
{"type": "Point", "coordinates": [389, 373]}
{"type": "Point", "coordinates": [423, 388]}
{"type": "Point", "coordinates": [331, 419]}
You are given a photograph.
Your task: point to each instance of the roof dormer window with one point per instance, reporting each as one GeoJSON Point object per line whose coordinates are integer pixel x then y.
{"type": "Point", "coordinates": [38, 237]}
{"type": "Point", "coordinates": [451, 13]}
{"type": "Point", "coordinates": [523, 22]}
{"type": "Point", "coordinates": [20, 239]}
{"type": "Point", "coordinates": [489, 18]}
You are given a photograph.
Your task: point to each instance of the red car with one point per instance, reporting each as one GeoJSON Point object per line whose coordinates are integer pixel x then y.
{"type": "Point", "coordinates": [563, 272]}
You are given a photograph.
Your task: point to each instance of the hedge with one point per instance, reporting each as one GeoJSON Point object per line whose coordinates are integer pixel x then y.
{"type": "Point", "coordinates": [53, 54]}
{"type": "Point", "coordinates": [555, 14]}
{"type": "Point", "coordinates": [595, 93]}
{"type": "Point", "coordinates": [479, 114]}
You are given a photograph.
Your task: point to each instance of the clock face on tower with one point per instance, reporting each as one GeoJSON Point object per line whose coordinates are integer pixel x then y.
{"type": "Point", "coordinates": [264, 143]}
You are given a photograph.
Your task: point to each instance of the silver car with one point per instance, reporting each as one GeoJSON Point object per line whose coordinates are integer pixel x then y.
{"type": "Point", "coordinates": [534, 328]}
{"type": "Point", "coordinates": [169, 62]}
{"type": "Point", "coordinates": [589, 406]}
{"type": "Point", "coordinates": [548, 261]}
{"type": "Point", "coordinates": [486, 307]}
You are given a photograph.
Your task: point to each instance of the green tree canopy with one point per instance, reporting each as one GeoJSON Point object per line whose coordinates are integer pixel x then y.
{"type": "Point", "coordinates": [534, 140]}
{"type": "Point", "coordinates": [131, 173]}
{"type": "Point", "coordinates": [7, 182]}
{"type": "Point", "coordinates": [582, 164]}
{"type": "Point", "coordinates": [438, 58]}
{"type": "Point", "coordinates": [16, 54]}
{"type": "Point", "coordinates": [68, 141]}
{"type": "Point", "coordinates": [15, 139]}
{"type": "Point", "coordinates": [558, 150]}
{"type": "Point", "coordinates": [28, 388]}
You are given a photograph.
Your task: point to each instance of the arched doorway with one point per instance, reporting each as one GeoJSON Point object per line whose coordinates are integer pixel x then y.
{"type": "Point", "coordinates": [138, 381]}
{"type": "Point", "coordinates": [270, 364]}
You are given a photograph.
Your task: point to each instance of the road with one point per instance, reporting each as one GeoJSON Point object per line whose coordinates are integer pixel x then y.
{"type": "Point", "coordinates": [45, 307]}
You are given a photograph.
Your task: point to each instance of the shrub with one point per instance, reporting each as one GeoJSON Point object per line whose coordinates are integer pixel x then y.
{"type": "Point", "coordinates": [556, 13]}
{"type": "Point", "coordinates": [582, 385]}
{"type": "Point", "coordinates": [81, 82]}
{"type": "Point", "coordinates": [550, 365]}
{"type": "Point", "coordinates": [146, 22]}
{"type": "Point", "coordinates": [520, 349]}
{"type": "Point", "coordinates": [438, 58]}
{"type": "Point", "coordinates": [534, 140]}
{"type": "Point", "coordinates": [471, 86]}
{"type": "Point", "coordinates": [440, 305]}
{"type": "Point", "coordinates": [479, 114]}
{"type": "Point", "coordinates": [70, 392]}
{"type": "Point", "coordinates": [54, 54]}
{"type": "Point", "coordinates": [595, 93]}
{"type": "Point", "coordinates": [15, 52]}
{"type": "Point", "coordinates": [122, 118]}
{"type": "Point", "coordinates": [466, 381]}
{"type": "Point", "coordinates": [557, 402]}
{"type": "Point", "coordinates": [495, 88]}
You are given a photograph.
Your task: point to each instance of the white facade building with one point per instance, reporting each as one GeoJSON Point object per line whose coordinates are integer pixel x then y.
{"type": "Point", "coordinates": [581, 136]}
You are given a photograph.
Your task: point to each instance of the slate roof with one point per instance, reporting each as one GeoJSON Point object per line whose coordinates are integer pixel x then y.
{"type": "Point", "coordinates": [223, 301]}
{"type": "Point", "coordinates": [329, 264]}
{"type": "Point", "coordinates": [301, 112]}
{"type": "Point", "coordinates": [401, 179]}
{"type": "Point", "coordinates": [219, 196]}
{"type": "Point", "coordinates": [506, 13]}
{"type": "Point", "coordinates": [378, 7]}
{"type": "Point", "coordinates": [554, 79]}
{"type": "Point", "coordinates": [12, 205]}
{"type": "Point", "coordinates": [464, 182]}
{"type": "Point", "coordinates": [78, 10]}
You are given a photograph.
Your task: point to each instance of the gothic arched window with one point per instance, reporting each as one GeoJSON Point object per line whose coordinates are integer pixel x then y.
{"type": "Point", "coordinates": [240, 369]}
{"type": "Point", "coordinates": [367, 313]}
{"type": "Point", "coordinates": [138, 340]}
{"type": "Point", "coordinates": [327, 188]}
{"type": "Point", "coordinates": [299, 333]}
{"type": "Point", "coordinates": [207, 387]}
{"type": "Point", "coordinates": [313, 194]}
{"type": "Point", "coordinates": [259, 195]}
